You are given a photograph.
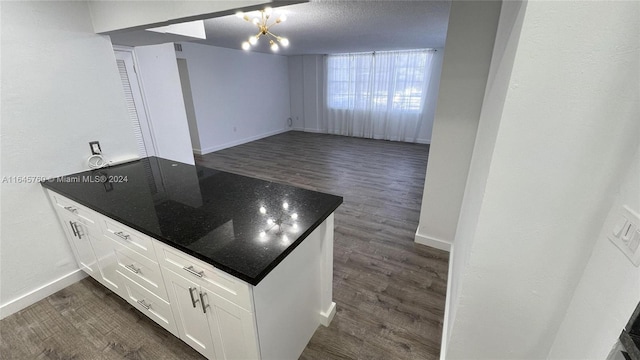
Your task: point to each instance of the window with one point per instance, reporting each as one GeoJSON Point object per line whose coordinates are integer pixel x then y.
{"type": "Point", "coordinates": [381, 81]}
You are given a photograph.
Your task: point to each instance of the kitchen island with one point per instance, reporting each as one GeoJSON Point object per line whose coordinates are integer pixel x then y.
{"type": "Point", "coordinates": [236, 267]}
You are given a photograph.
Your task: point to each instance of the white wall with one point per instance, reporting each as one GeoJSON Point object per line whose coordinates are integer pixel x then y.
{"type": "Point", "coordinates": [60, 90]}
{"type": "Point", "coordinates": [608, 291]}
{"type": "Point", "coordinates": [426, 129]}
{"type": "Point", "coordinates": [238, 96]}
{"type": "Point", "coordinates": [296, 91]}
{"type": "Point", "coordinates": [185, 83]}
{"type": "Point", "coordinates": [565, 138]}
{"type": "Point", "coordinates": [306, 85]}
{"type": "Point", "coordinates": [467, 55]}
{"type": "Point", "coordinates": [160, 83]}
{"type": "Point", "coordinates": [313, 91]}
{"type": "Point", "coordinates": [507, 36]}
{"type": "Point", "coordinates": [110, 15]}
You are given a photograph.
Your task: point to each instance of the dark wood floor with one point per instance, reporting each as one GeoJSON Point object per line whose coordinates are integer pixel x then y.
{"type": "Point", "coordinates": [390, 292]}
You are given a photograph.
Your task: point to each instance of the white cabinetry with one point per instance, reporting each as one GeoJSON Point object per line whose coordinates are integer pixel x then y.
{"type": "Point", "coordinates": [80, 226]}
{"type": "Point", "coordinates": [192, 323]}
{"type": "Point", "coordinates": [149, 304]}
{"type": "Point", "coordinates": [219, 315]}
{"type": "Point", "coordinates": [207, 306]}
{"type": "Point", "coordinates": [78, 236]}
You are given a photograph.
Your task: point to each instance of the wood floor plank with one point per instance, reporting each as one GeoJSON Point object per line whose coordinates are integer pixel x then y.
{"type": "Point", "coordinates": [390, 291]}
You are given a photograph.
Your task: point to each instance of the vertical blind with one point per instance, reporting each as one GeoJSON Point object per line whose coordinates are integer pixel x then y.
{"type": "Point", "coordinates": [131, 107]}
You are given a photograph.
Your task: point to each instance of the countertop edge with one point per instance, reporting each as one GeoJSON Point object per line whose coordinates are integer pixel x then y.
{"type": "Point", "coordinates": [630, 345]}
{"type": "Point", "coordinates": [253, 281]}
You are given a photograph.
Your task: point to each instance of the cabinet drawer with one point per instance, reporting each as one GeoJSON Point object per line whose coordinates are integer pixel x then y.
{"type": "Point", "coordinates": [130, 238]}
{"type": "Point", "coordinates": [140, 269]}
{"type": "Point", "coordinates": [149, 304]}
{"type": "Point", "coordinates": [71, 208]}
{"type": "Point", "coordinates": [214, 280]}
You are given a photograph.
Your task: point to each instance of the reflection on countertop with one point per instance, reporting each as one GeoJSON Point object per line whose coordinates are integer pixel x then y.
{"type": "Point", "coordinates": [241, 225]}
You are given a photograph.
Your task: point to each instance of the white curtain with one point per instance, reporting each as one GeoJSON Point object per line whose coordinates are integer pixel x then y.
{"type": "Point", "coordinates": [377, 95]}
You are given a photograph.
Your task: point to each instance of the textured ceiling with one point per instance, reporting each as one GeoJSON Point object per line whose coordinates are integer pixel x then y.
{"type": "Point", "coordinates": [325, 27]}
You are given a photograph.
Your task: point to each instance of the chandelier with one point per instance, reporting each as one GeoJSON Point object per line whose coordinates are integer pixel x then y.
{"type": "Point", "coordinates": [264, 28]}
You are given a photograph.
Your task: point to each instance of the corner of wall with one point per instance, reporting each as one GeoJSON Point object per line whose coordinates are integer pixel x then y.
{"type": "Point", "coordinates": [40, 293]}
{"type": "Point", "coordinates": [433, 242]}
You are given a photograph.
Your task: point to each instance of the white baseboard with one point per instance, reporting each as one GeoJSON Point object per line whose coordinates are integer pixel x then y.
{"type": "Point", "coordinates": [447, 309]}
{"type": "Point", "coordinates": [423, 141]}
{"type": "Point", "coordinates": [433, 242]}
{"type": "Point", "coordinates": [239, 142]}
{"type": "Point", "coordinates": [40, 293]}
{"type": "Point", "coordinates": [317, 131]}
{"type": "Point", "coordinates": [327, 316]}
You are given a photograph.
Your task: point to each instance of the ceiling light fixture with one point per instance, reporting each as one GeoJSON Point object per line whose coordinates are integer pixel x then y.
{"type": "Point", "coordinates": [264, 29]}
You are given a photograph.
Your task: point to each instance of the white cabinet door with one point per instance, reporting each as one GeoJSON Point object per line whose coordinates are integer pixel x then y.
{"type": "Point", "coordinates": [187, 309]}
{"type": "Point", "coordinates": [107, 263]}
{"type": "Point", "coordinates": [232, 328]}
{"type": "Point", "coordinates": [78, 235]}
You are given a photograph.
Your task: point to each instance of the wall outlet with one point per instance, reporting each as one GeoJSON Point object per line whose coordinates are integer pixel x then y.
{"type": "Point", "coordinates": [95, 147]}
{"type": "Point", "coordinates": [626, 234]}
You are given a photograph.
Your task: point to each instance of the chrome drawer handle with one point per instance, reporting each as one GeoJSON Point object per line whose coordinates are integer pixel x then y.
{"type": "Point", "coordinates": [71, 209]}
{"type": "Point", "coordinates": [190, 270]}
{"type": "Point", "coordinates": [122, 235]}
{"type": "Point", "coordinates": [144, 304]}
{"type": "Point", "coordinates": [132, 269]}
{"type": "Point", "coordinates": [193, 300]}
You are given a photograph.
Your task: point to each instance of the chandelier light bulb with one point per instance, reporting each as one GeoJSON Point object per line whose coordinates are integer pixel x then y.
{"type": "Point", "coordinates": [264, 24]}
{"type": "Point", "coordinates": [285, 205]}
{"type": "Point", "coordinates": [294, 216]}
{"type": "Point", "coordinates": [263, 210]}
{"type": "Point", "coordinates": [270, 221]}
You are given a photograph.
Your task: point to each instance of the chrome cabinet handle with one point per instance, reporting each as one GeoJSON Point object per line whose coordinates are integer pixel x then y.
{"type": "Point", "coordinates": [191, 271]}
{"type": "Point", "coordinates": [144, 304]}
{"type": "Point", "coordinates": [204, 307]}
{"type": "Point", "coordinates": [73, 228]}
{"type": "Point", "coordinates": [78, 230]}
{"type": "Point", "coordinates": [193, 300]}
{"type": "Point", "coordinates": [122, 235]}
{"type": "Point", "coordinates": [71, 209]}
{"type": "Point", "coordinates": [132, 269]}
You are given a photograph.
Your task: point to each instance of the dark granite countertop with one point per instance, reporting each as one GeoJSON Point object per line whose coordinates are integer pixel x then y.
{"type": "Point", "coordinates": [630, 336]}
{"type": "Point", "coordinates": [227, 220]}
